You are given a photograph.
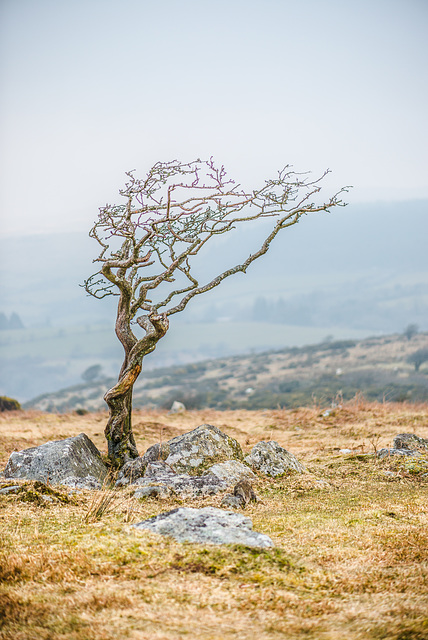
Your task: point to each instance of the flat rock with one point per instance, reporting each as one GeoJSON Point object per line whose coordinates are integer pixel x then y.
{"type": "Point", "coordinates": [232, 471]}
{"type": "Point", "coordinates": [385, 453]}
{"type": "Point", "coordinates": [273, 460]}
{"type": "Point", "coordinates": [206, 526]}
{"type": "Point", "coordinates": [410, 441]}
{"type": "Point", "coordinates": [60, 462]}
{"type": "Point", "coordinates": [163, 482]}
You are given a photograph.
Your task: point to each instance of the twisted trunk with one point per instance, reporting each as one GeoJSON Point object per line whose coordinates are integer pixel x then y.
{"type": "Point", "coordinates": [118, 431]}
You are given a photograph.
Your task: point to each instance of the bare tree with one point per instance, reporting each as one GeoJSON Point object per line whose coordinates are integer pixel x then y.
{"type": "Point", "coordinates": [148, 246]}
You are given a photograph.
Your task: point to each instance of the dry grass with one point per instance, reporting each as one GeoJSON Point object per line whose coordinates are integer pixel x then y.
{"type": "Point", "coordinates": [351, 556]}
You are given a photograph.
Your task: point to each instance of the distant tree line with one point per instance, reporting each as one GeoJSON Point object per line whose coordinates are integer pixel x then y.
{"type": "Point", "coordinates": [13, 322]}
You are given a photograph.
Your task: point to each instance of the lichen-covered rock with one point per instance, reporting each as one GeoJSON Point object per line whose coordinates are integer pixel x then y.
{"type": "Point", "coordinates": [135, 469]}
{"type": "Point", "coordinates": [232, 471]}
{"type": "Point", "coordinates": [230, 500]}
{"type": "Point", "coordinates": [160, 481]}
{"type": "Point", "coordinates": [194, 452]}
{"type": "Point", "coordinates": [207, 526]}
{"type": "Point", "coordinates": [59, 461]}
{"type": "Point", "coordinates": [386, 453]}
{"type": "Point", "coordinates": [273, 460]}
{"type": "Point", "coordinates": [89, 482]}
{"type": "Point", "coordinates": [410, 441]}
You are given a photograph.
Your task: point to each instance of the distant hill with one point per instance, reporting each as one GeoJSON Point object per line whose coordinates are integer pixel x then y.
{"type": "Point", "coordinates": [353, 255]}
{"type": "Point", "coordinates": [323, 374]}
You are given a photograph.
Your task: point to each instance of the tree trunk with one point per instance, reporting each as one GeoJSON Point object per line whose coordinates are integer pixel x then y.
{"type": "Point", "coordinates": [118, 432]}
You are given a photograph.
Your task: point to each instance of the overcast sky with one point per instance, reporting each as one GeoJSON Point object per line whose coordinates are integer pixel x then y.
{"type": "Point", "coordinates": [92, 88]}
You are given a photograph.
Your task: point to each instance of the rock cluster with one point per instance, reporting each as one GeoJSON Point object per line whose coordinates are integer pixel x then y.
{"type": "Point", "coordinates": [199, 463]}
{"type": "Point", "coordinates": [405, 444]}
{"type": "Point", "coordinates": [207, 526]}
{"type": "Point", "coordinates": [192, 453]}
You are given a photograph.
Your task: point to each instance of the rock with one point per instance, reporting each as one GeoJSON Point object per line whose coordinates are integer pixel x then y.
{"type": "Point", "coordinates": [89, 482]}
{"type": "Point", "coordinates": [168, 483]}
{"type": "Point", "coordinates": [156, 469]}
{"type": "Point", "coordinates": [11, 489]}
{"type": "Point", "coordinates": [232, 471]}
{"type": "Point", "coordinates": [345, 451]}
{"type": "Point", "coordinates": [244, 491]}
{"type": "Point", "coordinates": [410, 441]}
{"type": "Point", "coordinates": [206, 526]}
{"type": "Point", "coordinates": [230, 500]}
{"type": "Point", "coordinates": [177, 407]}
{"type": "Point", "coordinates": [153, 491]}
{"type": "Point", "coordinates": [272, 460]}
{"type": "Point", "coordinates": [385, 453]}
{"type": "Point", "coordinates": [73, 460]}
{"type": "Point", "coordinates": [194, 452]}
{"type": "Point", "coordinates": [134, 469]}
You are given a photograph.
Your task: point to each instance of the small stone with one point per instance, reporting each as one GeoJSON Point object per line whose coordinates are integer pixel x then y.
{"type": "Point", "coordinates": [230, 500]}
{"type": "Point", "coordinates": [345, 451]}
{"type": "Point", "coordinates": [244, 491]}
{"type": "Point", "coordinates": [177, 407]}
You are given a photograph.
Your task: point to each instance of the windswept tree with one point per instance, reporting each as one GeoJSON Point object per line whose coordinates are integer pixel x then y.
{"type": "Point", "coordinates": [148, 245]}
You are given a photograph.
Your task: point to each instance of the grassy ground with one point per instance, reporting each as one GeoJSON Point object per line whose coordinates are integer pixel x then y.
{"type": "Point", "coordinates": [351, 536]}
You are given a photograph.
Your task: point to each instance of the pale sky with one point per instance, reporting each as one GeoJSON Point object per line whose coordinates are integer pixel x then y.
{"type": "Point", "coordinates": [93, 88]}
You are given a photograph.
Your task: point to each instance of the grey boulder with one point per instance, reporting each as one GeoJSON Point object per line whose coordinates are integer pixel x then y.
{"type": "Point", "coordinates": [386, 453]}
{"type": "Point", "coordinates": [75, 462]}
{"type": "Point", "coordinates": [206, 526]}
{"type": "Point", "coordinates": [273, 460]}
{"type": "Point", "coordinates": [410, 441]}
{"type": "Point", "coordinates": [232, 471]}
{"type": "Point", "coordinates": [194, 452]}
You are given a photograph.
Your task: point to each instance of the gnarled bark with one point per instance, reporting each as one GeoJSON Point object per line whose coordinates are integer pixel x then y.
{"type": "Point", "coordinates": [118, 432]}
